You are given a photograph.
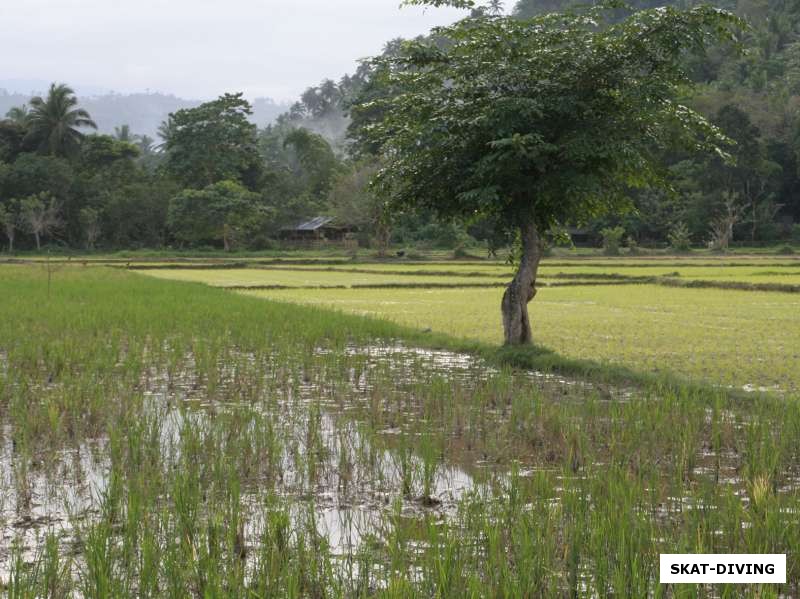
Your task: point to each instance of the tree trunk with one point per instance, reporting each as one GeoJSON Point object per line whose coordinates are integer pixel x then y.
{"type": "Point", "coordinates": [38, 241]}
{"type": "Point", "coordinates": [382, 237]}
{"type": "Point", "coordinates": [516, 322]}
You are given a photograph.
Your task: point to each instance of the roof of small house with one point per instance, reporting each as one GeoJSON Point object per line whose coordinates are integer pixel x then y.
{"type": "Point", "coordinates": [314, 224]}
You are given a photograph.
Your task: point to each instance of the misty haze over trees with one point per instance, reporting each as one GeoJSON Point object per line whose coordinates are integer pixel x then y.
{"type": "Point", "coordinates": [142, 112]}
{"type": "Point", "coordinates": [164, 172]}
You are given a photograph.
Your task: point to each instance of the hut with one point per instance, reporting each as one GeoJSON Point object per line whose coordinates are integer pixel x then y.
{"type": "Point", "coordinates": [320, 230]}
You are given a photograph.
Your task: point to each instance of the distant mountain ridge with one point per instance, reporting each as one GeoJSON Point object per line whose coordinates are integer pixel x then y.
{"type": "Point", "coordinates": [143, 112]}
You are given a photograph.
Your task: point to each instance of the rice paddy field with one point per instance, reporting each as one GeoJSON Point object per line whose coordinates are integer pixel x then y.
{"type": "Point", "coordinates": [264, 429]}
{"type": "Point", "coordinates": [642, 315]}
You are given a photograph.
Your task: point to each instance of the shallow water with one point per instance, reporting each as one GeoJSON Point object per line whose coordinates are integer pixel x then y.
{"type": "Point", "coordinates": [361, 478]}
{"type": "Point", "coordinates": [55, 491]}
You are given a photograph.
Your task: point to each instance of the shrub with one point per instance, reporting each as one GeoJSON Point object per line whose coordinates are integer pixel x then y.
{"type": "Point", "coordinates": [785, 250]}
{"type": "Point", "coordinates": [679, 238]}
{"type": "Point", "coordinates": [612, 240]}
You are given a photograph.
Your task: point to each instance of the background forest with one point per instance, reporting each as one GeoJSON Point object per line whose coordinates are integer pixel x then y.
{"type": "Point", "coordinates": [219, 176]}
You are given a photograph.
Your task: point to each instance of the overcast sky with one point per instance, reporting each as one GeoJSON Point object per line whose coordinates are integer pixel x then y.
{"type": "Point", "coordinates": [200, 48]}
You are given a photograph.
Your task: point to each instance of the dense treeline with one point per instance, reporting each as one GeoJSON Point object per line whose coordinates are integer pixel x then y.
{"type": "Point", "coordinates": [214, 179]}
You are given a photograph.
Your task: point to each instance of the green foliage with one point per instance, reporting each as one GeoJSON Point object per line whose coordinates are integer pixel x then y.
{"type": "Point", "coordinates": [315, 156]}
{"type": "Point", "coordinates": [557, 122]}
{"type": "Point", "coordinates": [54, 123]}
{"type": "Point", "coordinates": [425, 229]}
{"type": "Point", "coordinates": [12, 135]}
{"type": "Point", "coordinates": [102, 150]}
{"type": "Point", "coordinates": [223, 212]}
{"type": "Point", "coordinates": [680, 239]}
{"type": "Point", "coordinates": [18, 114]}
{"type": "Point", "coordinates": [354, 203]}
{"type": "Point", "coordinates": [612, 240]}
{"type": "Point", "coordinates": [498, 113]}
{"type": "Point", "coordinates": [135, 214]}
{"type": "Point", "coordinates": [32, 173]}
{"type": "Point", "coordinates": [123, 133]}
{"type": "Point", "coordinates": [211, 143]}
{"type": "Point", "coordinates": [299, 169]}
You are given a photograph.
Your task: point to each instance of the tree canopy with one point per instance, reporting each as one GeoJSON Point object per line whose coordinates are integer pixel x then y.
{"type": "Point", "coordinates": [224, 211]}
{"type": "Point", "coordinates": [211, 143]}
{"type": "Point", "coordinates": [535, 122]}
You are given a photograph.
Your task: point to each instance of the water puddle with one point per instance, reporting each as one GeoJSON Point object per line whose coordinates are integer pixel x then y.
{"type": "Point", "coordinates": [57, 492]}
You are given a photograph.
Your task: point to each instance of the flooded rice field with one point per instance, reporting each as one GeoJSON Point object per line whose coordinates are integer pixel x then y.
{"type": "Point", "coordinates": [349, 445]}
{"type": "Point", "coordinates": [162, 440]}
{"type": "Point", "coordinates": [320, 462]}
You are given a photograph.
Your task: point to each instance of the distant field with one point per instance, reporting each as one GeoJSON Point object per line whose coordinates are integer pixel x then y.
{"type": "Point", "coordinates": [306, 278]}
{"type": "Point", "coordinates": [736, 338]}
{"type": "Point", "coordinates": [785, 272]}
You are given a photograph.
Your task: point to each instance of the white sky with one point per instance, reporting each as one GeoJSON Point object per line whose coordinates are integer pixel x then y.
{"type": "Point", "coordinates": [200, 48]}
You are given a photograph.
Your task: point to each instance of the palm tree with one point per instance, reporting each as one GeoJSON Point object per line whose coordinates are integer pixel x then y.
{"type": "Point", "coordinates": [54, 122]}
{"type": "Point", "coordinates": [495, 7]}
{"type": "Point", "coordinates": [18, 114]}
{"type": "Point", "coordinates": [166, 131]}
{"type": "Point", "coordinates": [123, 133]}
{"type": "Point", "coordinates": [146, 144]}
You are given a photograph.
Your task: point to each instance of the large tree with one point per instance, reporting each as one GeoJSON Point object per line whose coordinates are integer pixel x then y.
{"type": "Point", "coordinates": [535, 123]}
{"type": "Point", "coordinates": [211, 143]}
{"type": "Point", "coordinates": [40, 214]}
{"type": "Point", "coordinates": [54, 123]}
{"type": "Point", "coordinates": [313, 162]}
